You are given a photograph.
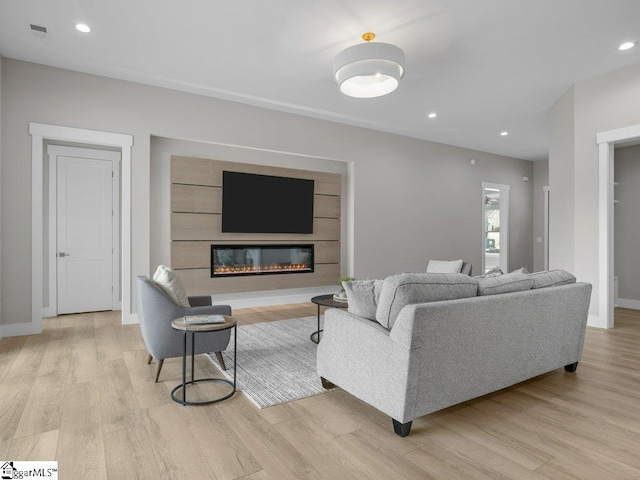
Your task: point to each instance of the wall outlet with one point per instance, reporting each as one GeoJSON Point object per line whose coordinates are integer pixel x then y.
{"type": "Point", "coordinates": [538, 239]}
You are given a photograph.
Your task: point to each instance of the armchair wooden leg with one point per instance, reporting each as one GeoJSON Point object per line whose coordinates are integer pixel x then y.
{"type": "Point", "coordinates": [221, 360]}
{"type": "Point", "coordinates": [160, 362]}
{"type": "Point", "coordinates": [149, 358]}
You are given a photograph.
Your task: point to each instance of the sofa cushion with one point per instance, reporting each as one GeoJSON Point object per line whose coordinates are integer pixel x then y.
{"type": "Point", "coordinates": [551, 278]}
{"type": "Point", "coordinates": [363, 296]}
{"type": "Point", "coordinates": [444, 266]}
{"type": "Point", "coordinates": [407, 288]}
{"type": "Point", "coordinates": [171, 284]}
{"type": "Point", "coordinates": [515, 281]}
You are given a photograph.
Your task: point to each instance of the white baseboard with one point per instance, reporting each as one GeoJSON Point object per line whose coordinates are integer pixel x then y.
{"type": "Point", "coordinates": [130, 319]}
{"type": "Point", "coordinates": [49, 312]}
{"type": "Point", "coordinates": [596, 321]}
{"type": "Point", "coordinates": [19, 329]}
{"type": "Point", "coordinates": [628, 303]}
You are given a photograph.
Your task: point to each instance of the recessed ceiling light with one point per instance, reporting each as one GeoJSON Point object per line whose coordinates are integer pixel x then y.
{"type": "Point", "coordinates": [82, 27]}
{"type": "Point", "coordinates": [627, 45]}
{"type": "Point", "coordinates": [504, 134]}
{"type": "Point", "coordinates": [432, 115]}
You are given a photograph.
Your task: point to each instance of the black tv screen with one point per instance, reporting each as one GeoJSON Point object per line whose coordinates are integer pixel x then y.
{"type": "Point", "coordinates": [265, 204]}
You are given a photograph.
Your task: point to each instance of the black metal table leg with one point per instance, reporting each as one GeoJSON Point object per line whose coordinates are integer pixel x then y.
{"type": "Point", "coordinates": [178, 324]}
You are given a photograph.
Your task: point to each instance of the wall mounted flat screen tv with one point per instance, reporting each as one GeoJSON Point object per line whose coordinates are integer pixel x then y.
{"type": "Point", "coordinates": [254, 203]}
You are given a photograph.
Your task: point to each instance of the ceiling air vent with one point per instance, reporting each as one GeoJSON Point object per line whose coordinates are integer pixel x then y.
{"type": "Point", "coordinates": [38, 30]}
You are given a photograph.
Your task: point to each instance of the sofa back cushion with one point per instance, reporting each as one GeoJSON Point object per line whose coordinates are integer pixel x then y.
{"type": "Point", "coordinates": [551, 278]}
{"type": "Point", "coordinates": [363, 296]}
{"type": "Point", "coordinates": [407, 288]}
{"type": "Point", "coordinates": [515, 281]}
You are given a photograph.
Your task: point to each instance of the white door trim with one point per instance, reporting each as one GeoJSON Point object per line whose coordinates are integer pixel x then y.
{"type": "Point", "coordinates": [606, 141]}
{"type": "Point", "coordinates": [39, 133]}
{"type": "Point", "coordinates": [504, 223]}
{"type": "Point", "coordinates": [545, 251]}
{"type": "Point", "coordinates": [53, 151]}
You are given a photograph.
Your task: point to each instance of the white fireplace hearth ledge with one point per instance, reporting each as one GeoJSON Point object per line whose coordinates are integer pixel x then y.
{"type": "Point", "coordinates": [272, 297]}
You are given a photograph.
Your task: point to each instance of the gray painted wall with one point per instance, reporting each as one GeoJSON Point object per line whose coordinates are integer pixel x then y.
{"type": "Point", "coordinates": [1, 62]}
{"type": "Point", "coordinates": [540, 179]}
{"type": "Point", "coordinates": [561, 182]}
{"type": "Point", "coordinates": [600, 104]}
{"type": "Point", "coordinates": [413, 200]}
{"type": "Point", "coordinates": [627, 221]}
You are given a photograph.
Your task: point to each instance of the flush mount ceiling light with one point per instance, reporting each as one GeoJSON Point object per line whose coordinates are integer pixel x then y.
{"type": "Point", "coordinates": [82, 27]}
{"type": "Point", "coordinates": [432, 115]}
{"type": "Point", "coordinates": [627, 45]}
{"type": "Point", "coordinates": [369, 69]}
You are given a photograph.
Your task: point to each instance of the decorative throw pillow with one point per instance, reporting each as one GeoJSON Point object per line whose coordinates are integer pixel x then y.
{"type": "Point", "coordinates": [363, 296]}
{"type": "Point", "coordinates": [494, 272]}
{"type": "Point", "coordinates": [552, 278]}
{"type": "Point", "coordinates": [444, 266]}
{"type": "Point", "coordinates": [167, 280]}
{"type": "Point", "coordinates": [515, 281]}
{"type": "Point", "coordinates": [407, 288]}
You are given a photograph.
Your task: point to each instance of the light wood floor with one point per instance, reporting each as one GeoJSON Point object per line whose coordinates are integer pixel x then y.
{"type": "Point", "coordinates": [82, 393]}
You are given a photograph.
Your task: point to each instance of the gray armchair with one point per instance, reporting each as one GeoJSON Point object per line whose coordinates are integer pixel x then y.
{"type": "Point", "coordinates": [156, 311]}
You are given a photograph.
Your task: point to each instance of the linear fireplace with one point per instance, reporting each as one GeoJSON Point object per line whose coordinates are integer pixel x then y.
{"type": "Point", "coordinates": [234, 260]}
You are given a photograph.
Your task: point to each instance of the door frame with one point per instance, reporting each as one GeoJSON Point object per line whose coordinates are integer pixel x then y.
{"type": "Point", "coordinates": [39, 133]}
{"type": "Point", "coordinates": [606, 142]}
{"type": "Point", "coordinates": [504, 223]}
{"type": "Point", "coordinates": [53, 151]}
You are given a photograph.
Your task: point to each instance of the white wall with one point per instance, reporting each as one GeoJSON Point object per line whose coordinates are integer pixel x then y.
{"type": "Point", "coordinates": [540, 180]}
{"type": "Point", "coordinates": [627, 224]}
{"type": "Point", "coordinates": [414, 200]}
{"type": "Point", "coordinates": [600, 104]}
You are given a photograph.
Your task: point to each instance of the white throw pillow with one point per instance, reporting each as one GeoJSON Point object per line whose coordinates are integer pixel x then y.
{"type": "Point", "coordinates": [444, 266]}
{"type": "Point", "coordinates": [171, 285]}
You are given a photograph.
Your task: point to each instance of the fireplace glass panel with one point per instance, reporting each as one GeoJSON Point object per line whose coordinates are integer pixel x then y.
{"type": "Point", "coordinates": [233, 260]}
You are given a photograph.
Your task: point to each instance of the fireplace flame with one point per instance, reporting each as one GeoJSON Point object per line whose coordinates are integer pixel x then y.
{"type": "Point", "coordinates": [294, 267]}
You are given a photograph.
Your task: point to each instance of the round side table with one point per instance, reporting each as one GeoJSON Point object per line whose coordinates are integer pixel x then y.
{"type": "Point", "coordinates": [193, 328]}
{"type": "Point", "coordinates": [324, 301]}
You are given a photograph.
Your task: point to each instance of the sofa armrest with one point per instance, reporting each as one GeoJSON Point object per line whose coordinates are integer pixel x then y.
{"type": "Point", "coordinates": [357, 355]}
{"type": "Point", "coordinates": [200, 301]}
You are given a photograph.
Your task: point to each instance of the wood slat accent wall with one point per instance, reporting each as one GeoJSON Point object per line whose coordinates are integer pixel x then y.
{"type": "Point", "coordinates": [196, 224]}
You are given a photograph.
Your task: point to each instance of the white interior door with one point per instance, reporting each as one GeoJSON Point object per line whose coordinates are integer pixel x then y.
{"type": "Point", "coordinates": [84, 234]}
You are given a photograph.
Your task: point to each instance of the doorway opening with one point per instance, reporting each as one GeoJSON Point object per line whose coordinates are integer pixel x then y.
{"type": "Point", "coordinates": [41, 133]}
{"type": "Point", "coordinates": [495, 227]}
{"type": "Point", "coordinates": [606, 142]}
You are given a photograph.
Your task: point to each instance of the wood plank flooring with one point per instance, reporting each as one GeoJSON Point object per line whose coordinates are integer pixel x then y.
{"type": "Point", "coordinates": [82, 393]}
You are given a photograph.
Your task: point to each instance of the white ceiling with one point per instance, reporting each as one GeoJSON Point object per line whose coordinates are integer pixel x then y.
{"type": "Point", "coordinates": [483, 65]}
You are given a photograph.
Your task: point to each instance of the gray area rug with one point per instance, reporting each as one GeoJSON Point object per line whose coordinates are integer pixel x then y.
{"type": "Point", "coordinates": [276, 361]}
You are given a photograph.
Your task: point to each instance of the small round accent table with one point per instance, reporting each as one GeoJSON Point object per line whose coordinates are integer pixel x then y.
{"type": "Point", "coordinates": [324, 301]}
{"type": "Point", "coordinates": [193, 328]}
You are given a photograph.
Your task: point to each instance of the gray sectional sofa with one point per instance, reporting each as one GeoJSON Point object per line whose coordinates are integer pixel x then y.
{"type": "Point", "coordinates": [417, 343]}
